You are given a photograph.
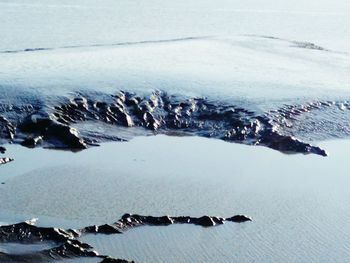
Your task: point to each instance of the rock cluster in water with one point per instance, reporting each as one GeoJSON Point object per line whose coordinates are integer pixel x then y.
{"type": "Point", "coordinates": [130, 221]}
{"type": "Point", "coordinates": [56, 126]}
{"type": "Point", "coordinates": [67, 244]}
{"type": "Point", "coordinates": [4, 160]}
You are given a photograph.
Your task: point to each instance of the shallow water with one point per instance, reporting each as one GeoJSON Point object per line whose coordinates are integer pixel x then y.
{"type": "Point", "coordinates": [298, 203]}
{"type": "Point", "coordinates": [18, 248]}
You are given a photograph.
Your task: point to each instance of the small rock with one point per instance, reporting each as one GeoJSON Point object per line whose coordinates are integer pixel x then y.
{"type": "Point", "coordinates": [2, 149]}
{"type": "Point", "coordinates": [31, 142]}
{"type": "Point", "coordinates": [205, 221]}
{"type": "Point", "coordinates": [113, 260]}
{"type": "Point", "coordinates": [132, 102]}
{"type": "Point", "coordinates": [108, 229]}
{"type": "Point", "coordinates": [5, 160]}
{"type": "Point", "coordinates": [67, 134]}
{"type": "Point", "coordinates": [239, 219]}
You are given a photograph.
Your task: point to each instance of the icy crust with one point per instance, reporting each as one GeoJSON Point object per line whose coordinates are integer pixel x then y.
{"type": "Point", "coordinates": [66, 243]}
{"type": "Point", "coordinates": [62, 125]}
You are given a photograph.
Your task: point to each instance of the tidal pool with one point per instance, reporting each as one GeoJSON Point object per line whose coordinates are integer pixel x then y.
{"type": "Point", "coordinates": [299, 203]}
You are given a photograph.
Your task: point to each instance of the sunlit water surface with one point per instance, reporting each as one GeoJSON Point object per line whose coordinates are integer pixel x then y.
{"type": "Point", "coordinates": [299, 204]}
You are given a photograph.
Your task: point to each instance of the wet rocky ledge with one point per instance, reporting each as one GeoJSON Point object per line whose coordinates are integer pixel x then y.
{"type": "Point", "coordinates": [66, 241]}
{"type": "Point", "coordinates": [61, 125]}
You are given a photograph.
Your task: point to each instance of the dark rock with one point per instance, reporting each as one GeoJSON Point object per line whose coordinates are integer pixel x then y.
{"type": "Point", "coordinates": [102, 229]}
{"type": "Point", "coordinates": [2, 149]}
{"type": "Point", "coordinates": [218, 220]}
{"type": "Point", "coordinates": [108, 229]}
{"type": "Point", "coordinates": [125, 216]}
{"type": "Point", "coordinates": [5, 160]}
{"type": "Point", "coordinates": [157, 221]}
{"type": "Point", "coordinates": [239, 219]}
{"type": "Point", "coordinates": [7, 129]}
{"type": "Point", "coordinates": [26, 232]}
{"type": "Point", "coordinates": [81, 103]}
{"type": "Point", "coordinates": [183, 219]}
{"type": "Point", "coordinates": [113, 260]}
{"type": "Point", "coordinates": [100, 105]}
{"type": "Point", "coordinates": [290, 144]}
{"type": "Point", "coordinates": [150, 121]}
{"type": "Point", "coordinates": [128, 221]}
{"type": "Point", "coordinates": [31, 142]}
{"type": "Point", "coordinates": [121, 116]}
{"type": "Point", "coordinates": [66, 134]}
{"type": "Point", "coordinates": [65, 243]}
{"type": "Point", "coordinates": [166, 220]}
{"type": "Point", "coordinates": [204, 221]}
{"type": "Point", "coordinates": [132, 102]}
{"type": "Point", "coordinates": [36, 123]}
{"type": "Point", "coordinates": [162, 113]}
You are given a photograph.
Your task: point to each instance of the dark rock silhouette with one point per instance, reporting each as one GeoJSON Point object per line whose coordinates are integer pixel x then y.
{"type": "Point", "coordinates": [2, 149]}
{"type": "Point", "coordinates": [31, 142]}
{"type": "Point", "coordinates": [130, 221]}
{"type": "Point", "coordinates": [66, 244]}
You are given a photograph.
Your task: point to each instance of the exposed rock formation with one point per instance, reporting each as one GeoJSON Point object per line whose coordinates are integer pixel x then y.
{"type": "Point", "coordinates": [66, 244]}
{"type": "Point", "coordinates": [157, 113]}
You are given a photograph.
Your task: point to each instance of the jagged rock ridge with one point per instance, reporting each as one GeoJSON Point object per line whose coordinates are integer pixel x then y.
{"type": "Point", "coordinates": [159, 113]}
{"type": "Point", "coordinates": [67, 244]}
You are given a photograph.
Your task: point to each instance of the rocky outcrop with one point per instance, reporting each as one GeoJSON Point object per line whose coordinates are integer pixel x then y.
{"type": "Point", "coordinates": [130, 221]}
{"type": "Point", "coordinates": [4, 160]}
{"type": "Point", "coordinates": [157, 113]}
{"type": "Point", "coordinates": [65, 243]}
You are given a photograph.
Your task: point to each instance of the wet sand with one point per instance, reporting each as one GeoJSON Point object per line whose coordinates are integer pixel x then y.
{"type": "Point", "coordinates": [299, 204]}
